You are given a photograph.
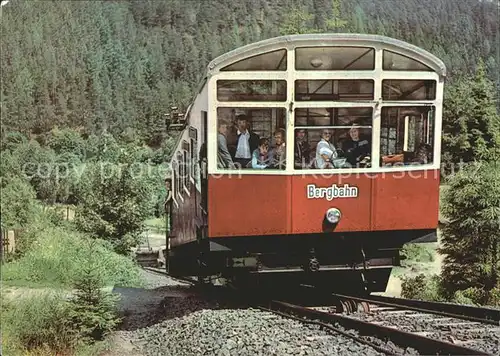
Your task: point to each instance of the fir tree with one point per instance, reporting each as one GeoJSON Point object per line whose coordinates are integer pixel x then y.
{"type": "Point", "coordinates": [471, 124]}
{"type": "Point", "coordinates": [471, 237]}
{"type": "Point", "coordinates": [93, 310]}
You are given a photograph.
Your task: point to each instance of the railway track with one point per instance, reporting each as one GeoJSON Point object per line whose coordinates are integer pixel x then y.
{"type": "Point", "coordinates": [465, 312]}
{"type": "Point", "coordinates": [391, 326]}
{"type": "Point", "coordinates": [365, 332]}
{"type": "Point", "coordinates": [477, 328]}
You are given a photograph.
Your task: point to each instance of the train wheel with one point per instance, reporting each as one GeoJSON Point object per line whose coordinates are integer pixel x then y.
{"type": "Point", "coordinates": [352, 306]}
{"type": "Point", "coordinates": [342, 307]}
{"type": "Point", "coordinates": [346, 308]}
{"type": "Point", "coordinates": [364, 307]}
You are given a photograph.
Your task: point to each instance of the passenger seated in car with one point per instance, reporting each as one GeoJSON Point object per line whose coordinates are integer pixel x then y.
{"type": "Point", "coordinates": [302, 150]}
{"type": "Point", "coordinates": [423, 154]}
{"type": "Point", "coordinates": [325, 151]}
{"type": "Point", "coordinates": [277, 155]}
{"type": "Point", "coordinates": [356, 150]}
{"type": "Point", "coordinates": [260, 156]}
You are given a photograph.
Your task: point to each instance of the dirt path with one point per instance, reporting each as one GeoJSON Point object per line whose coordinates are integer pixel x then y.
{"type": "Point", "coordinates": [141, 308]}
{"type": "Point", "coordinates": [121, 345]}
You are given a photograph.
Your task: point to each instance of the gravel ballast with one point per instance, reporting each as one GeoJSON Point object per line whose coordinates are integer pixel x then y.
{"type": "Point", "coordinates": [167, 319]}
{"type": "Point", "coordinates": [243, 332]}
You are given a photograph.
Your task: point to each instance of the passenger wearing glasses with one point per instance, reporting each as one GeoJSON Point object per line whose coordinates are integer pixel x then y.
{"type": "Point", "coordinates": [325, 151]}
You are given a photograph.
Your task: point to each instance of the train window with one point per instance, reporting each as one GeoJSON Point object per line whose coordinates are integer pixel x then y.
{"type": "Point", "coordinates": [174, 181]}
{"type": "Point", "coordinates": [186, 160]}
{"type": "Point", "coordinates": [251, 90]}
{"type": "Point", "coordinates": [328, 90]}
{"type": "Point", "coordinates": [175, 178]}
{"type": "Point", "coordinates": [193, 135]}
{"type": "Point", "coordinates": [334, 58]}
{"type": "Point", "coordinates": [406, 136]}
{"type": "Point", "coordinates": [251, 138]}
{"type": "Point", "coordinates": [275, 60]}
{"type": "Point", "coordinates": [408, 89]}
{"type": "Point", "coordinates": [187, 181]}
{"type": "Point", "coordinates": [194, 160]}
{"type": "Point", "coordinates": [332, 138]}
{"type": "Point", "coordinates": [396, 61]}
{"type": "Point", "coordinates": [180, 173]}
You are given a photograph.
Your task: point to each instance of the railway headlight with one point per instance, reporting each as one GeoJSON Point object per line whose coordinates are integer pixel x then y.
{"type": "Point", "coordinates": [333, 215]}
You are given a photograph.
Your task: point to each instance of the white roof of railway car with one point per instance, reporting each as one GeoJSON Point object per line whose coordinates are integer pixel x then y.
{"type": "Point", "coordinates": [328, 39]}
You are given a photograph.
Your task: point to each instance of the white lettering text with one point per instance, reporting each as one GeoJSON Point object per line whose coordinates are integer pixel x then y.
{"type": "Point", "coordinates": [332, 192]}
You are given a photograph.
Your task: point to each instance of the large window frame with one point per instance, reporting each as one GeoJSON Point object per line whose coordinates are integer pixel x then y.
{"type": "Point", "coordinates": [291, 75]}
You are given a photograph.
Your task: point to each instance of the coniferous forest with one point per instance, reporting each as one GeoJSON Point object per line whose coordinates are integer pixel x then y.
{"type": "Point", "coordinates": [117, 65]}
{"type": "Point", "coordinates": [85, 86]}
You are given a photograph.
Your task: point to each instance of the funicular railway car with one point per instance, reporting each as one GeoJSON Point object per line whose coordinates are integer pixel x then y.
{"type": "Point", "coordinates": [310, 158]}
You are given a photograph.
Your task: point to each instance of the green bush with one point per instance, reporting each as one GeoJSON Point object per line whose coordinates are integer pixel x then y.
{"type": "Point", "coordinates": [495, 296]}
{"type": "Point", "coordinates": [472, 295]}
{"type": "Point", "coordinates": [47, 323]}
{"type": "Point", "coordinates": [422, 287]}
{"type": "Point", "coordinates": [38, 321]}
{"type": "Point", "coordinates": [55, 258]}
{"type": "Point", "coordinates": [432, 288]}
{"type": "Point", "coordinates": [417, 252]}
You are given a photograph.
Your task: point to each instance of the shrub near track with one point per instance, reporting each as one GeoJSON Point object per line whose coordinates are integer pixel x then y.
{"type": "Point", "coordinates": [70, 310]}
{"type": "Point", "coordinates": [55, 256]}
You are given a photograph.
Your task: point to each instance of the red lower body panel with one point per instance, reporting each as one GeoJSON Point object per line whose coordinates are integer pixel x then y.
{"type": "Point", "coordinates": [252, 205]}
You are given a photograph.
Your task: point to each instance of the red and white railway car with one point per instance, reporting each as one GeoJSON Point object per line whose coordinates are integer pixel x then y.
{"type": "Point", "coordinates": [309, 157]}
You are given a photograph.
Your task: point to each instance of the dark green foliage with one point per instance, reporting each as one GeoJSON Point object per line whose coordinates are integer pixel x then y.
{"type": "Point", "coordinates": [433, 287]}
{"type": "Point", "coordinates": [471, 239]}
{"type": "Point", "coordinates": [41, 320]}
{"type": "Point", "coordinates": [297, 20]}
{"type": "Point", "coordinates": [57, 323]}
{"type": "Point", "coordinates": [471, 123]}
{"type": "Point", "coordinates": [93, 310]}
{"type": "Point", "coordinates": [18, 204]}
{"type": "Point", "coordinates": [115, 184]}
{"type": "Point", "coordinates": [52, 256]}
{"type": "Point", "coordinates": [67, 141]}
{"type": "Point", "coordinates": [417, 253]}
{"type": "Point", "coordinates": [13, 140]}
{"type": "Point", "coordinates": [116, 193]}
{"type": "Point", "coordinates": [119, 65]}
{"type": "Point", "coordinates": [422, 287]}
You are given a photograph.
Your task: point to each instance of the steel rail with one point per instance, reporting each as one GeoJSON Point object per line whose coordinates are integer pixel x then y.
{"type": "Point", "coordinates": [464, 312]}
{"type": "Point", "coordinates": [403, 339]}
{"type": "Point", "coordinates": [331, 328]}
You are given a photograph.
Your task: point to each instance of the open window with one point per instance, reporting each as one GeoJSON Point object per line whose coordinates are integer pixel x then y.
{"type": "Point", "coordinates": [251, 138]}
{"type": "Point", "coordinates": [333, 138]}
{"type": "Point", "coordinates": [406, 136]}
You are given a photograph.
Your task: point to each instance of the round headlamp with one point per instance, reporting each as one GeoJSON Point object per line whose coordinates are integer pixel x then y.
{"type": "Point", "coordinates": [333, 215]}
